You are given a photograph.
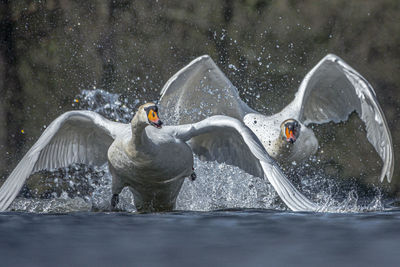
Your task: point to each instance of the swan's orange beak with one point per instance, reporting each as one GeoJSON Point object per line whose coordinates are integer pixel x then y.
{"type": "Point", "coordinates": [154, 119]}
{"type": "Point", "coordinates": [290, 137]}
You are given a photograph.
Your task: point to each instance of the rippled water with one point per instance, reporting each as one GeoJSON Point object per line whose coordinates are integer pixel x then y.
{"type": "Point", "coordinates": [218, 238]}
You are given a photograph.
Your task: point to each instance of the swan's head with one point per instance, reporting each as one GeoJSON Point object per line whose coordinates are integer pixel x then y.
{"type": "Point", "coordinates": [148, 113]}
{"type": "Point", "coordinates": [290, 130]}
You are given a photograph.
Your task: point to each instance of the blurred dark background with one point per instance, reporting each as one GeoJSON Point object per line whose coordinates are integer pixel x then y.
{"type": "Point", "coordinates": [51, 50]}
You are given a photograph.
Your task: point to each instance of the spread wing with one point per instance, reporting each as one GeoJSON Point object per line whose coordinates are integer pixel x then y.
{"type": "Point", "coordinates": [331, 91]}
{"type": "Point", "coordinates": [200, 90]}
{"type": "Point", "coordinates": [245, 149]}
{"type": "Point", "coordinates": [74, 137]}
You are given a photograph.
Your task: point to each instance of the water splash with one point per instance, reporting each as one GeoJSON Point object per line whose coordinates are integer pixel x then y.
{"type": "Point", "coordinates": [115, 107]}
{"type": "Point", "coordinates": [221, 186]}
{"type": "Point", "coordinates": [218, 185]}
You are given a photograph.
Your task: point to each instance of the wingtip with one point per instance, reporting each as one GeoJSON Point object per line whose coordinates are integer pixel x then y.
{"type": "Point", "coordinates": [388, 177]}
{"type": "Point", "coordinates": [205, 56]}
{"type": "Point", "coordinates": [200, 59]}
{"type": "Point", "coordinates": [388, 174]}
{"type": "Point", "coordinates": [331, 57]}
{"type": "Point", "coordinates": [191, 65]}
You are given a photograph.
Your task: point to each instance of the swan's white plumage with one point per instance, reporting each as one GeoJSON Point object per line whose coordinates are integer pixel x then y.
{"type": "Point", "coordinates": [85, 137]}
{"type": "Point", "coordinates": [331, 91]}
{"type": "Point", "coordinates": [74, 137]}
{"type": "Point", "coordinates": [200, 90]}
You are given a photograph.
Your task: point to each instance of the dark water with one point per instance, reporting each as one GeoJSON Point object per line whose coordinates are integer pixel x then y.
{"type": "Point", "coordinates": [219, 238]}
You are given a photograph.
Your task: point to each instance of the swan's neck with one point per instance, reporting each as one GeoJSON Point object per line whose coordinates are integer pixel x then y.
{"type": "Point", "coordinates": [136, 148]}
{"type": "Point", "coordinates": [138, 133]}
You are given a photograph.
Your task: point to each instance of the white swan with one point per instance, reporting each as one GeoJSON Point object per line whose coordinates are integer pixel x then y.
{"type": "Point", "coordinates": [331, 91]}
{"type": "Point", "coordinates": [151, 161]}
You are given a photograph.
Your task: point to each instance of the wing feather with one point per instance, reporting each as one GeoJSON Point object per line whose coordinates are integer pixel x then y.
{"type": "Point", "coordinates": [200, 90]}
{"type": "Point", "coordinates": [74, 137]}
{"type": "Point", "coordinates": [331, 91]}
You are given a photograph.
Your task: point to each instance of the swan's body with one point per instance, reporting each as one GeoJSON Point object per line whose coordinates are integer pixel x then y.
{"type": "Point", "coordinates": [267, 129]}
{"type": "Point", "coordinates": [151, 161]}
{"type": "Point", "coordinates": [331, 91]}
{"type": "Point", "coordinates": [154, 170]}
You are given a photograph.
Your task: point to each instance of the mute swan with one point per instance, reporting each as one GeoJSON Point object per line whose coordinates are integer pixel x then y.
{"type": "Point", "coordinates": [151, 159]}
{"type": "Point", "coordinates": [331, 91]}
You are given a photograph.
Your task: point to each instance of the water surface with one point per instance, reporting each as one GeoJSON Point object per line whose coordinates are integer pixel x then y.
{"type": "Point", "coordinates": [218, 238]}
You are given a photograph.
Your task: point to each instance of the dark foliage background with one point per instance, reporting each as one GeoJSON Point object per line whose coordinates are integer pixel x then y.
{"type": "Point", "coordinates": [50, 50]}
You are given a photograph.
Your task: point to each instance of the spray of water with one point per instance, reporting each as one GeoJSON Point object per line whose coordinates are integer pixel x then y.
{"type": "Point", "coordinates": [218, 185]}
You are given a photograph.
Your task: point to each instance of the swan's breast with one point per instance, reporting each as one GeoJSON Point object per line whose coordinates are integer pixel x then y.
{"type": "Point", "coordinates": [119, 158]}
{"type": "Point", "coordinates": [160, 158]}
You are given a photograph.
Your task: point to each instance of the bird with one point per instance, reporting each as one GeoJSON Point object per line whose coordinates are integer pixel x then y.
{"type": "Point", "coordinates": [330, 92]}
{"type": "Point", "coordinates": [149, 158]}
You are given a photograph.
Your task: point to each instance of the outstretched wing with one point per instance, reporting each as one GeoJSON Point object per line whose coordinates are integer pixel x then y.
{"type": "Point", "coordinates": [74, 137]}
{"type": "Point", "coordinates": [200, 90]}
{"type": "Point", "coordinates": [331, 91]}
{"type": "Point", "coordinates": [244, 148]}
